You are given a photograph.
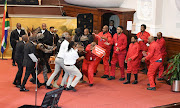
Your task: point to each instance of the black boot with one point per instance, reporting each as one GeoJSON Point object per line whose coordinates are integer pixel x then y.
{"type": "Point", "coordinates": [136, 79]}
{"type": "Point", "coordinates": [128, 78]}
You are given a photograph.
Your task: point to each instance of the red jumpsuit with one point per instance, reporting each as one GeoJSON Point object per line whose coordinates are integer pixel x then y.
{"type": "Point", "coordinates": [133, 52]}
{"type": "Point", "coordinates": [155, 57]}
{"type": "Point", "coordinates": [119, 41]}
{"type": "Point", "coordinates": [142, 44]}
{"type": "Point", "coordinates": [101, 43]}
{"type": "Point", "coordinates": [88, 64]}
{"type": "Point", "coordinates": [162, 45]}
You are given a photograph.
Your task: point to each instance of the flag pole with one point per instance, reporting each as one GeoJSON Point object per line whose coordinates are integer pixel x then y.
{"type": "Point", "coordinates": [5, 27]}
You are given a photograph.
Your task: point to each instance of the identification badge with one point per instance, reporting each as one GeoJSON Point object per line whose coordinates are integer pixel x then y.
{"type": "Point", "coordinates": [90, 58]}
{"type": "Point", "coordinates": [116, 44]}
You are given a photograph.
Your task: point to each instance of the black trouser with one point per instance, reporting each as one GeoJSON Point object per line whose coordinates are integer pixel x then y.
{"type": "Point", "coordinates": [47, 62]}
{"type": "Point", "coordinates": [29, 70]}
{"type": "Point", "coordinates": [18, 77]}
{"type": "Point", "coordinates": [13, 55]}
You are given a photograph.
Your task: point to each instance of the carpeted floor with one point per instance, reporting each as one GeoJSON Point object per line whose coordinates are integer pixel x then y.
{"type": "Point", "coordinates": [104, 93]}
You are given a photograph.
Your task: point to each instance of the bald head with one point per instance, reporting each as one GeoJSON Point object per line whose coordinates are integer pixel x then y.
{"type": "Point", "coordinates": [150, 39]}
{"type": "Point", "coordinates": [105, 28]}
{"type": "Point", "coordinates": [159, 35]}
{"type": "Point", "coordinates": [18, 25]}
{"type": "Point", "coordinates": [44, 26]}
{"type": "Point", "coordinates": [25, 38]}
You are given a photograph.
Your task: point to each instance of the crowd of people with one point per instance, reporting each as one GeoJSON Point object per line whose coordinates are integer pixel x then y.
{"type": "Point", "coordinates": [73, 55]}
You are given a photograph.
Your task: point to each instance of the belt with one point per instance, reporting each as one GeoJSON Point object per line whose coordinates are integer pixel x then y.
{"type": "Point", "coordinates": [68, 65]}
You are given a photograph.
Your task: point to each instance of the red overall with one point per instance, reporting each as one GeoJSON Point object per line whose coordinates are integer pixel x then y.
{"type": "Point", "coordinates": [133, 52]}
{"type": "Point", "coordinates": [119, 41]}
{"type": "Point", "coordinates": [142, 44]}
{"type": "Point", "coordinates": [88, 64]}
{"type": "Point", "coordinates": [101, 42]}
{"type": "Point", "coordinates": [154, 54]}
{"type": "Point", "coordinates": [162, 45]}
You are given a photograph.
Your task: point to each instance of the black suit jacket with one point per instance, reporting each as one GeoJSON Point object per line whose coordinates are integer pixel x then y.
{"type": "Point", "coordinates": [48, 39]}
{"type": "Point", "coordinates": [15, 36]}
{"type": "Point", "coordinates": [28, 49]}
{"type": "Point", "coordinates": [19, 54]}
{"type": "Point", "coordinates": [112, 31]}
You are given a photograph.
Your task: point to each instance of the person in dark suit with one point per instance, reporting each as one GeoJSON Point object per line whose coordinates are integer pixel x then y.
{"type": "Point", "coordinates": [19, 56]}
{"type": "Point", "coordinates": [86, 38]}
{"type": "Point", "coordinates": [29, 48]}
{"type": "Point", "coordinates": [53, 35]}
{"type": "Point", "coordinates": [112, 31]}
{"type": "Point", "coordinates": [14, 38]}
{"type": "Point", "coordinates": [48, 40]}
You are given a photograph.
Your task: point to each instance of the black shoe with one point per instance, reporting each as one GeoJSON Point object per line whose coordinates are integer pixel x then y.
{"type": "Point", "coordinates": [95, 73]}
{"type": "Point", "coordinates": [32, 80]}
{"type": "Point", "coordinates": [14, 83]}
{"type": "Point", "coordinates": [127, 82]}
{"type": "Point", "coordinates": [105, 76]}
{"type": "Point", "coordinates": [151, 88]}
{"type": "Point", "coordinates": [18, 86]}
{"type": "Point", "coordinates": [13, 64]}
{"type": "Point", "coordinates": [149, 84]}
{"type": "Point", "coordinates": [23, 89]}
{"type": "Point", "coordinates": [160, 79]}
{"type": "Point", "coordinates": [62, 87]}
{"type": "Point", "coordinates": [111, 78]}
{"type": "Point", "coordinates": [71, 88]}
{"type": "Point", "coordinates": [121, 79]}
{"type": "Point", "coordinates": [135, 82]}
{"type": "Point", "coordinates": [90, 85]}
{"type": "Point", "coordinates": [40, 84]}
{"type": "Point", "coordinates": [48, 87]}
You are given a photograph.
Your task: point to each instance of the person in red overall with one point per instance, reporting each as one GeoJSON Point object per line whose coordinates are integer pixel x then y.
{"type": "Point", "coordinates": [133, 60]}
{"type": "Point", "coordinates": [143, 40]}
{"type": "Point", "coordinates": [155, 58]}
{"type": "Point", "coordinates": [162, 44]}
{"type": "Point", "coordinates": [89, 63]}
{"type": "Point", "coordinates": [120, 44]}
{"type": "Point", "coordinates": [104, 40]}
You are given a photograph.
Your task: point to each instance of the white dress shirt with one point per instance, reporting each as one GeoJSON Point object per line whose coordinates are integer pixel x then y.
{"type": "Point", "coordinates": [70, 57]}
{"type": "Point", "coordinates": [42, 31]}
{"type": "Point", "coordinates": [19, 31]}
{"type": "Point", "coordinates": [63, 49]}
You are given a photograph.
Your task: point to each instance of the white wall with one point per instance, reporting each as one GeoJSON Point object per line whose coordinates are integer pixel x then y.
{"type": "Point", "coordinates": [158, 15]}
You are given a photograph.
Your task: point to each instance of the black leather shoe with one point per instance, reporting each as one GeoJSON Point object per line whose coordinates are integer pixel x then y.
{"type": "Point", "coordinates": [14, 83]}
{"type": "Point", "coordinates": [18, 86]}
{"type": "Point", "coordinates": [62, 87]}
{"type": "Point", "coordinates": [90, 85]}
{"type": "Point", "coordinates": [48, 87]}
{"type": "Point", "coordinates": [135, 82]}
{"type": "Point", "coordinates": [105, 76]}
{"type": "Point", "coordinates": [32, 80]}
{"type": "Point", "coordinates": [149, 84]}
{"type": "Point", "coordinates": [121, 79]}
{"type": "Point", "coordinates": [13, 64]}
{"type": "Point", "coordinates": [160, 79]}
{"type": "Point", "coordinates": [23, 89]}
{"type": "Point", "coordinates": [111, 78]}
{"type": "Point", "coordinates": [39, 85]}
{"type": "Point", "coordinates": [151, 88]}
{"type": "Point", "coordinates": [71, 88]}
{"type": "Point", "coordinates": [95, 73]}
{"type": "Point", "coordinates": [127, 82]}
